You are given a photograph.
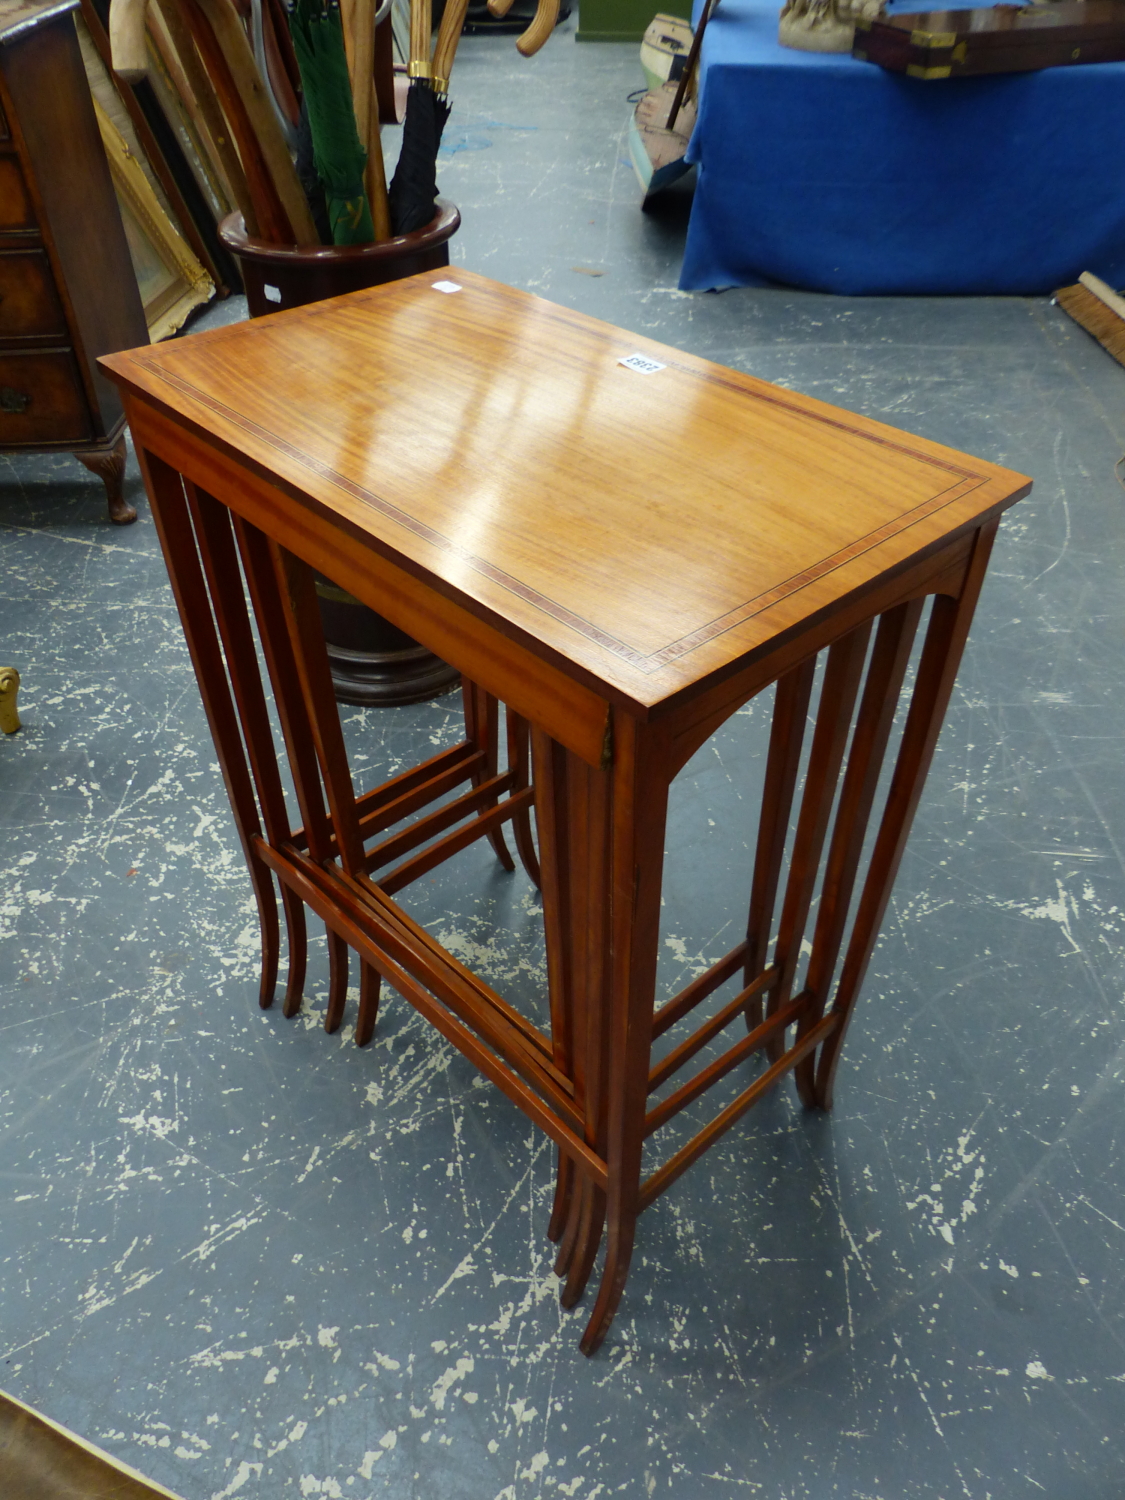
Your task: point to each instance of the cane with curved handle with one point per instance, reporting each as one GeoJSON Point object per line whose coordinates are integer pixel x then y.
{"type": "Point", "coordinates": [542, 24]}
{"type": "Point", "coordinates": [449, 34]}
{"type": "Point", "coordinates": [546, 14]}
{"type": "Point", "coordinates": [359, 20]}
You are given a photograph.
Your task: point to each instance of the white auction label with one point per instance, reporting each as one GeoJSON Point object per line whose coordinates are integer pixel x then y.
{"type": "Point", "coordinates": [642, 364]}
{"type": "Point", "coordinates": [445, 286]}
{"type": "Point", "coordinates": [273, 293]}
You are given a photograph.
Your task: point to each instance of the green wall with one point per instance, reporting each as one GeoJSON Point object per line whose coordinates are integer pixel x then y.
{"type": "Point", "coordinates": [621, 20]}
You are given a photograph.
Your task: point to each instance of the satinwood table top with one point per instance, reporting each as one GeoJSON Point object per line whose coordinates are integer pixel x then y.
{"type": "Point", "coordinates": [649, 526]}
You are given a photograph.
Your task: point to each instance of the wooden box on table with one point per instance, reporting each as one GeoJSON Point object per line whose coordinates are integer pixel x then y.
{"type": "Point", "coordinates": [997, 39]}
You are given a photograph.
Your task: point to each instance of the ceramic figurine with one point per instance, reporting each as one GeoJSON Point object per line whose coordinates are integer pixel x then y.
{"type": "Point", "coordinates": [824, 25]}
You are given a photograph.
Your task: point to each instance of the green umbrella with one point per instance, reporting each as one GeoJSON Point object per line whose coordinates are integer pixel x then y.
{"type": "Point", "coordinates": [318, 40]}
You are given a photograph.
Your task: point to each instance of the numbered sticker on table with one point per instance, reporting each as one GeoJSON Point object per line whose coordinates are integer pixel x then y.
{"type": "Point", "coordinates": [642, 364]}
{"type": "Point", "coordinates": [445, 286]}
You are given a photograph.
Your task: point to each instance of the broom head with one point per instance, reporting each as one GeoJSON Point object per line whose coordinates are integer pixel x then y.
{"type": "Point", "coordinates": [1099, 310]}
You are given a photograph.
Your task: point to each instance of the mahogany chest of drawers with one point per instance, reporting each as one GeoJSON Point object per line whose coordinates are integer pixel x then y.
{"type": "Point", "coordinates": [67, 288]}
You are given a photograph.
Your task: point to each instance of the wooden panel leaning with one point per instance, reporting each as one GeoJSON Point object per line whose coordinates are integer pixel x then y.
{"type": "Point", "coordinates": [623, 601]}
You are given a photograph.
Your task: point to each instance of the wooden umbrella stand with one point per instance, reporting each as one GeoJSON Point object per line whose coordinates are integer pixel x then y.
{"type": "Point", "coordinates": [274, 237]}
{"type": "Point", "coordinates": [373, 663]}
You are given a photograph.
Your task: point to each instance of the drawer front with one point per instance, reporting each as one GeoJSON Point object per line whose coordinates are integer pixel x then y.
{"type": "Point", "coordinates": [41, 399]}
{"type": "Point", "coordinates": [16, 213]}
{"type": "Point", "coordinates": [29, 305]}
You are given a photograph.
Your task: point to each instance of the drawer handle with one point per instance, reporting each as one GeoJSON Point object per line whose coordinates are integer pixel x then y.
{"type": "Point", "coordinates": [12, 400]}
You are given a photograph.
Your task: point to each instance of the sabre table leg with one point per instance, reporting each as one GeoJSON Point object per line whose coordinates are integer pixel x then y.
{"type": "Point", "coordinates": [941, 656]}
{"type": "Point", "coordinates": [189, 586]}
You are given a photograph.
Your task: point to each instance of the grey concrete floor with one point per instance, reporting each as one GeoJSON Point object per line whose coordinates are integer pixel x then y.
{"type": "Point", "coordinates": [254, 1261]}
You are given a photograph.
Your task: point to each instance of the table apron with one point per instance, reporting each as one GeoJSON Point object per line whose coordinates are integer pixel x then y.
{"type": "Point", "coordinates": [569, 710]}
{"type": "Point", "coordinates": [943, 571]}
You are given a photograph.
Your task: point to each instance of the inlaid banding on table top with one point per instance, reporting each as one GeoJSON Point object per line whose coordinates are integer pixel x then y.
{"type": "Point", "coordinates": [645, 663]}
{"type": "Point", "coordinates": [770, 453]}
{"type": "Point", "coordinates": [799, 581]}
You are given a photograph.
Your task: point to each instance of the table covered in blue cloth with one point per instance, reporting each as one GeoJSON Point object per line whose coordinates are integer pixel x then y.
{"type": "Point", "coordinates": [820, 171]}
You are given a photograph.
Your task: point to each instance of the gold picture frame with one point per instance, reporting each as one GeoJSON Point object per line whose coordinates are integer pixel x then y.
{"type": "Point", "coordinates": [171, 280]}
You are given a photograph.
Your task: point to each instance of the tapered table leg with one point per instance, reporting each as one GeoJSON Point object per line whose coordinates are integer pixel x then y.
{"type": "Point", "coordinates": [637, 818]}
{"type": "Point", "coordinates": [601, 847]}
{"type": "Point", "coordinates": [889, 660]}
{"type": "Point", "coordinates": [787, 736]}
{"type": "Point", "coordinates": [842, 672]}
{"type": "Point", "coordinates": [573, 873]}
{"type": "Point", "coordinates": [941, 656]}
{"type": "Point", "coordinates": [219, 556]}
{"type": "Point", "coordinates": [177, 538]}
{"type": "Point", "coordinates": [369, 987]}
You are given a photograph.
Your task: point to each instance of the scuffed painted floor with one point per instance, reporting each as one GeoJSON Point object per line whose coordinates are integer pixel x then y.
{"type": "Point", "coordinates": [254, 1261]}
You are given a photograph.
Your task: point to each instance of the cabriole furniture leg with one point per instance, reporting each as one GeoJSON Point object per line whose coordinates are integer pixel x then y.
{"type": "Point", "coordinates": [109, 465]}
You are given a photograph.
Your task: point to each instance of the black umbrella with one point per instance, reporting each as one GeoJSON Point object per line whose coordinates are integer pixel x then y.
{"type": "Point", "coordinates": [413, 189]}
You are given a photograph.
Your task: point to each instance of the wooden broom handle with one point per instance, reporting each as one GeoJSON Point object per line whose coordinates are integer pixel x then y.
{"type": "Point", "coordinates": [174, 43]}
{"type": "Point", "coordinates": [540, 29]}
{"type": "Point", "coordinates": [357, 18]}
{"type": "Point", "coordinates": [449, 34]}
{"type": "Point", "coordinates": [127, 43]}
{"type": "Point", "coordinates": [691, 64]}
{"type": "Point", "coordinates": [238, 56]}
{"type": "Point", "coordinates": [279, 201]}
{"type": "Point", "coordinates": [1103, 292]}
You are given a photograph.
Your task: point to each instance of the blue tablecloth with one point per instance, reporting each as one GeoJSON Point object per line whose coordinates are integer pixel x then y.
{"type": "Point", "coordinates": [823, 172]}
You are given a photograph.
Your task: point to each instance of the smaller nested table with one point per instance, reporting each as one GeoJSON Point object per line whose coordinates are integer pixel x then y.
{"type": "Point", "coordinates": [623, 555]}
